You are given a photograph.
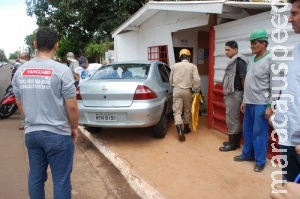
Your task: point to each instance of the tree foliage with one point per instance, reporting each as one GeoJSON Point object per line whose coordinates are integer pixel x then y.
{"type": "Point", "coordinates": [29, 39]}
{"type": "Point", "coordinates": [97, 51]}
{"type": "Point", "coordinates": [14, 55]}
{"type": "Point", "coordinates": [2, 55]}
{"type": "Point", "coordinates": [81, 22]}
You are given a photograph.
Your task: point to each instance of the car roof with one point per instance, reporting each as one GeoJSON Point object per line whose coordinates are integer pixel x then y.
{"type": "Point", "coordinates": [138, 62]}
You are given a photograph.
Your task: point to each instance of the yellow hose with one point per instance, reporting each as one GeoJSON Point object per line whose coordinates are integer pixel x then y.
{"type": "Point", "coordinates": [195, 110]}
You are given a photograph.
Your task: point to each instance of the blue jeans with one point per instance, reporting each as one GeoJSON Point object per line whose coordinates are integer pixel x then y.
{"type": "Point", "coordinates": [256, 130]}
{"type": "Point", "coordinates": [293, 166]}
{"type": "Point", "coordinates": [56, 150]}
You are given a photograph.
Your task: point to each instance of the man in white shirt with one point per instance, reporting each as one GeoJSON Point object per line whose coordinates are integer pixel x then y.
{"type": "Point", "coordinates": [85, 69]}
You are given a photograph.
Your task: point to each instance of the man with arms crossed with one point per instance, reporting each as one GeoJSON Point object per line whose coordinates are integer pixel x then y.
{"type": "Point", "coordinates": [45, 95]}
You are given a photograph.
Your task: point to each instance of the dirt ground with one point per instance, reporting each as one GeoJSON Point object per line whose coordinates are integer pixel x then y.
{"type": "Point", "coordinates": [192, 169]}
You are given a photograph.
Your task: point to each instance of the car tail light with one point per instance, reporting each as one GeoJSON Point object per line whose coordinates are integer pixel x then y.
{"type": "Point", "coordinates": [144, 93]}
{"type": "Point", "coordinates": [78, 96]}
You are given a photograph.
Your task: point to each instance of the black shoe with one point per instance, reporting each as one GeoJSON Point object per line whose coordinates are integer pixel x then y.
{"type": "Point", "coordinates": [231, 144]}
{"type": "Point", "coordinates": [227, 147]}
{"type": "Point", "coordinates": [181, 137]}
{"type": "Point", "coordinates": [186, 129]}
{"type": "Point", "coordinates": [240, 158]}
{"type": "Point", "coordinates": [238, 141]}
{"type": "Point", "coordinates": [180, 133]}
{"type": "Point", "coordinates": [259, 168]}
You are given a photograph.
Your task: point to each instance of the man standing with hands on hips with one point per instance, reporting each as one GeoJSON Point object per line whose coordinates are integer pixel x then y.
{"type": "Point", "coordinates": [184, 78]}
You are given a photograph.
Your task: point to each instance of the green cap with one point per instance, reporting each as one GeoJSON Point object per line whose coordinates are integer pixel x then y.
{"type": "Point", "coordinates": [259, 34]}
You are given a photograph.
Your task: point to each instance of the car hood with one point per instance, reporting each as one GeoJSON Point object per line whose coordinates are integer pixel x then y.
{"type": "Point", "coordinates": [108, 93]}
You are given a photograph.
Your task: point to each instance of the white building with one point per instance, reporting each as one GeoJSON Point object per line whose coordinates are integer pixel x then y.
{"type": "Point", "coordinates": [160, 29]}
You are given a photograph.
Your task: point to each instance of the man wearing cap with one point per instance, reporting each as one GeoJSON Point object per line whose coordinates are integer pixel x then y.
{"type": "Point", "coordinates": [85, 69]}
{"type": "Point", "coordinates": [259, 94]}
{"type": "Point", "coordinates": [73, 64]}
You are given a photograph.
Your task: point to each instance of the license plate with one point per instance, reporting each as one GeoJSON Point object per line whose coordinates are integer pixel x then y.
{"type": "Point", "coordinates": [106, 117]}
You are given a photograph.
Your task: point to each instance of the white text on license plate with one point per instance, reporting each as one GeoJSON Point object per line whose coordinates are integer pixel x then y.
{"type": "Point", "coordinates": [106, 117]}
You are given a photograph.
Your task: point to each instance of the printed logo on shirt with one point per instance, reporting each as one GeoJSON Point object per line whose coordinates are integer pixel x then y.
{"type": "Point", "coordinates": [85, 74]}
{"type": "Point", "coordinates": [40, 72]}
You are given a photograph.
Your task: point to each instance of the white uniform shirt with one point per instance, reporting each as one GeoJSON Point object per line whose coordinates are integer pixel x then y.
{"type": "Point", "coordinates": [287, 114]}
{"type": "Point", "coordinates": [85, 74]}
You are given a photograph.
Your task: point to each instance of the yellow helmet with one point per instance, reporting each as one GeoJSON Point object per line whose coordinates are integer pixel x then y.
{"type": "Point", "coordinates": [184, 52]}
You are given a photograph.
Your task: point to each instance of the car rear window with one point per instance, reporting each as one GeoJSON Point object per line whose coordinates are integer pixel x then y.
{"type": "Point", "coordinates": [122, 71]}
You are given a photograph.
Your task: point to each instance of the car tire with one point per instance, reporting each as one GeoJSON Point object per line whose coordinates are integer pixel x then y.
{"type": "Point", "coordinates": [160, 129]}
{"type": "Point", "coordinates": [7, 110]}
{"type": "Point", "coordinates": [93, 129]}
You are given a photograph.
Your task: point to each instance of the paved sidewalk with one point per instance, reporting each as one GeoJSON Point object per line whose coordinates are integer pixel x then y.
{"type": "Point", "coordinates": [93, 176]}
{"type": "Point", "coordinates": [167, 168]}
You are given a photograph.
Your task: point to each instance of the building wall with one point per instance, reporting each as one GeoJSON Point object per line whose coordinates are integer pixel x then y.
{"type": "Point", "coordinates": [126, 46]}
{"type": "Point", "coordinates": [240, 31]}
{"type": "Point", "coordinates": [155, 32]}
{"type": "Point", "coordinates": [189, 38]}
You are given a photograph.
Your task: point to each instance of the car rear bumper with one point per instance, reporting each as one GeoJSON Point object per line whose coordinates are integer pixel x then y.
{"type": "Point", "coordinates": [137, 115]}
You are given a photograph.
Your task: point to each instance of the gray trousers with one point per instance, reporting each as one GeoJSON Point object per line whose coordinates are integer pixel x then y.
{"type": "Point", "coordinates": [233, 102]}
{"type": "Point", "coordinates": [182, 100]}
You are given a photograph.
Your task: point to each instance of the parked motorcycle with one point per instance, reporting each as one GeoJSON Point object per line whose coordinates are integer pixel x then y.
{"type": "Point", "coordinates": [8, 104]}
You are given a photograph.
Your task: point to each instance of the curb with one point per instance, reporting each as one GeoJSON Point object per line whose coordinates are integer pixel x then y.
{"type": "Point", "coordinates": [141, 187]}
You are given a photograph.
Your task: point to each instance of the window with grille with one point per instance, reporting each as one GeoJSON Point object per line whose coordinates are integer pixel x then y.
{"type": "Point", "coordinates": [159, 53]}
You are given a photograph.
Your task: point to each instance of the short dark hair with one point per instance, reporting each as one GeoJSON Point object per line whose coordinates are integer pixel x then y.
{"type": "Point", "coordinates": [232, 44]}
{"type": "Point", "coordinates": [263, 41]}
{"type": "Point", "coordinates": [46, 38]}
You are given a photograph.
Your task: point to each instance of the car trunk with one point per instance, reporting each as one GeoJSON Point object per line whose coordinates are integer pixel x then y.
{"type": "Point", "coordinates": [116, 93]}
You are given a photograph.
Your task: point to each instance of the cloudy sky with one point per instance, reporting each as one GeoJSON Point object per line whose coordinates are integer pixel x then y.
{"type": "Point", "coordinates": [15, 25]}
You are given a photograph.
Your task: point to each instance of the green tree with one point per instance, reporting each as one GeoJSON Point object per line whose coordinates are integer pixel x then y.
{"type": "Point", "coordinates": [29, 39]}
{"type": "Point", "coordinates": [97, 51]}
{"type": "Point", "coordinates": [82, 21]}
{"type": "Point", "coordinates": [2, 55]}
{"type": "Point", "coordinates": [14, 55]}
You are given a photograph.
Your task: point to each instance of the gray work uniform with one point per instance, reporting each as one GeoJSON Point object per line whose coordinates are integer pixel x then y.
{"type": "Point", "coordinates": [183, 78]}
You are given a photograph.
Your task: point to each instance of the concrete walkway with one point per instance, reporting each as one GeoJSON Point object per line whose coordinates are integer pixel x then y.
{"type": "Point", "coordinates": [194, 169]}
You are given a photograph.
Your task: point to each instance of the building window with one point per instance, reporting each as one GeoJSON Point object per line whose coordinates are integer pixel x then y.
{"type": "Point", "coordinates": [159, 53]}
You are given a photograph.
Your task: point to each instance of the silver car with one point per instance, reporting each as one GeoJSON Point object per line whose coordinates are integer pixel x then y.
{"type": "Point", "coordinates": [126, 95]}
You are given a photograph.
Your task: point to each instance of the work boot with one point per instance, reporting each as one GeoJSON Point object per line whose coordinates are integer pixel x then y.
{"type": "Point", "coordinates": [232, 144]}
{"type": "Point", "coordinates": [180, 134]}
{"type": "Point", "coordinates": [186, 129]}
{"type": "Point", "coordinates": [238, 141]}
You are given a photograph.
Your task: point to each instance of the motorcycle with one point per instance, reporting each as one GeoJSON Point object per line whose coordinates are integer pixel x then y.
{"type": "Point", "coordinates": [8, 105]}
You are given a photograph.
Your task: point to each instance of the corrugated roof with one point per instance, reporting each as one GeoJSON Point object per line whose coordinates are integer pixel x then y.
{"type": "Point", "coordinates": [214, 7]}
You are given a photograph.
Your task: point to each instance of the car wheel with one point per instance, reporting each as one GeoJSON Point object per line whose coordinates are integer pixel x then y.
{"type": "Point", "coordinates": [7, 110]}
{"type": "Point", "coordinates": [93, 129]}
{"type": "Point", "coordinates": [160, 129]}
